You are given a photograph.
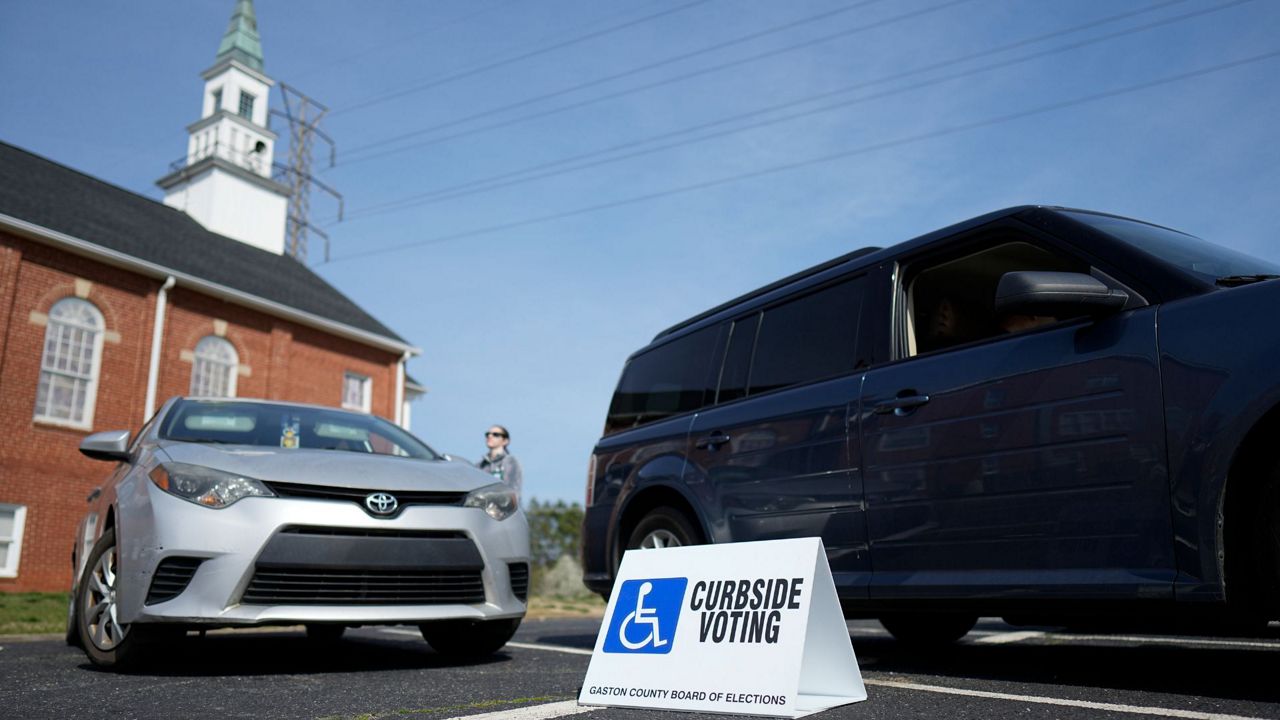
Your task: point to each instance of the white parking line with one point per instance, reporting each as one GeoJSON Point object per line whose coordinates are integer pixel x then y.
{"type": "Point", "coordinates": [1020, 636]}
{"type": "Point", "coordinates": [571, 707]}
{"type": "Point", "coordinates": [1111, 707]}
{"type": "Point", "coordinates": [400, 631]}
{"type": "Point", "coordinates": [522, 645]}
{"type": "Point", "coordinates": [534, 712]}
{"type": "Point", "coordinates": [551, 648]}
{"type": "Point", "coordinates": [1010, 637]}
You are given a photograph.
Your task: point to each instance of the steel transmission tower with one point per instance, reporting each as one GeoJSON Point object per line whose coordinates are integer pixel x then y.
{"type": "Point", "coordinates": [303, 115]}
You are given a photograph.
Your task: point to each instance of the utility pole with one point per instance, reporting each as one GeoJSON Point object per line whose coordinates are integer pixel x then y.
{"type": "Point", "coordinates": [303, 115]}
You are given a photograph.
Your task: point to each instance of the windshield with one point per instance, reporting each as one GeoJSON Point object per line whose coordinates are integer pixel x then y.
{"type": "Point", "coordinates": [1187, 252]}
{"type": "Point", "coordinates": [290, 427]}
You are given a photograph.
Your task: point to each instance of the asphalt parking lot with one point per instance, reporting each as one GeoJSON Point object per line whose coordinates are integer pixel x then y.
{"type": "Point", "coordinates": [997, 672]}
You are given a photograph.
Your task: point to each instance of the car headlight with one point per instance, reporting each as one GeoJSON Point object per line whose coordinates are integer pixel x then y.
{"type": "Point", "coordinates": [206, 486]}
{"type": "Point", "coordinates": [498, 500]}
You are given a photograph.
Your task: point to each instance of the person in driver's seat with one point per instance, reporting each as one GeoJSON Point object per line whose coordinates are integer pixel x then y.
{"type": "Point", "coordinates": [950, 321]}
{"type": "Point", "coordinates": [1016, 323]}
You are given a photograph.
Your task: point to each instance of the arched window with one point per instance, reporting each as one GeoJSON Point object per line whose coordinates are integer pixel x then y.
{"type": "Point", "coordinates": [215, 369]}
{"type": "Point", "coordinates": [70, 365]}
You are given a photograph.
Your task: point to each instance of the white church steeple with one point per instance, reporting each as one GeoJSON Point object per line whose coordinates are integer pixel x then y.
{"type": "Point", "coordinates": [225, 180]}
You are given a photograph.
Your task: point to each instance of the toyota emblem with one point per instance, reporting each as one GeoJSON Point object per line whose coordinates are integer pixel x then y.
{"type": "Point", "coordinates": [381, 503]}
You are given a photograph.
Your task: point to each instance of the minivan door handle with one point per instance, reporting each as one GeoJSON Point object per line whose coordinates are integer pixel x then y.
{"type": "Point", "coordinates": [712, 441]}
{"type": "Point", "coordinates": [901, 405]}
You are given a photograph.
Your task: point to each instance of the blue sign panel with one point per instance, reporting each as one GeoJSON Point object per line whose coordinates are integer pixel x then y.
{"type": "Point", "coordinates": [645, 616]}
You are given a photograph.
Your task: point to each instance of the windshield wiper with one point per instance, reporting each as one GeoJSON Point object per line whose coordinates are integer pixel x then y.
{"type": "Point", "coordinates": [1238, 280]}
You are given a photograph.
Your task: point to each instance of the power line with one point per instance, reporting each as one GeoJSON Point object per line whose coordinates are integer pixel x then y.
{"type": "Point", "coordinates": [660, 83]}
{"type": "Point", "coordinates": [549, 169]}
{"type": "Point", "coordinates": [786, 167]}
{"type": "Point", "coordinates": [312, 69]}
{"type": "Point", "coordinates": [625, 73]}
{"type": "Point", "coordinates": [385, 97]}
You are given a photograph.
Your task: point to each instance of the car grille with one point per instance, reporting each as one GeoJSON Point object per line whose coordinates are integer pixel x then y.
{"type": "Point", "coordinates": [358, 495]}
{"type": "Point", "coordinates": [373, 532]}
{"type": "Point", "coordinates": [519, 573]}
{"type": "Point", "coordinates": [310, 586]}
{"type": "Point", "coordinates": [171, 577]}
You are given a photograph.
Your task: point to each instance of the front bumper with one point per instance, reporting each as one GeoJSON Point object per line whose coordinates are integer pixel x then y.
{"type": "Point", "coordinates": [596, 563]}
{"type": "Point", "coordinates": [266, 561]}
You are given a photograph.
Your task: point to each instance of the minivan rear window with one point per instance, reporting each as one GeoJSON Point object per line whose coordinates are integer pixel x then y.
{"type": "Point", "coordinates": [670, 379]}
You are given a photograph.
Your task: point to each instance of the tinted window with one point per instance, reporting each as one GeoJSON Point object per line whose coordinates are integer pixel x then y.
{"type": "Point", "coordinates": [667, 380]}
{"type": "Point", "coordinates": [809, 338]}
{"type": "Point", "coordinates": [737, 359]}
{"type": "Point", "coordinates": [953, 302]}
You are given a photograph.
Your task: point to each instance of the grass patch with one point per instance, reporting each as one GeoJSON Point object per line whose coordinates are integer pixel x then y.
{"type": "Point", "coordinates": [32, 613]}
{"type": "Point", "coordinates": [561, 607]}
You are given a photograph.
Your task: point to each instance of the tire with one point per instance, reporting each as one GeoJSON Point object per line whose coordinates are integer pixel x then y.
{"type": "Point", "coordinates": [108, 643]}
{"type": "Point", "coordinates": [663, 527]}
{"type": "Point", "coordinates": [73, 622]}
{"type": "Point", "coordinates": [318, 634]}
{"type": "Point", "coordinates": [468, 639]}
{"type": "Point", "coordinates": [1250, 538]}
{"type": "Point", "coordinates": [1267, 540]}
{"type": "Point", "coordinates": [934, 629]}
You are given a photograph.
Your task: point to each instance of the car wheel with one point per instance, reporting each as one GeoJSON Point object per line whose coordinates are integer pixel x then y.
{"type": "Point", "coordinates": [324, 634]}
{"type": "Point", "coordinates": [106, 641]}
{"type": "Point", "coordinates": [663, 527]}
{"type": "Point", "coordinates": [469, 638]}
{"type": "Point", "coordinates": [1253, 552]}
{"type": "Point", "coordinates": [939, 629]}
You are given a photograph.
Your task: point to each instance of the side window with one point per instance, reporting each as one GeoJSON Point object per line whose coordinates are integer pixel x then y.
{"type": "Point", "coordinates": [667, 380]}
{"type": "Point", "coordinates": [951, 302]}
{"type": "Point", "coordinates": [70, 364]}
{"type": "Point", "coordinates": [146, 428]}
{"type": "Point", "coordinates": [807, 339]}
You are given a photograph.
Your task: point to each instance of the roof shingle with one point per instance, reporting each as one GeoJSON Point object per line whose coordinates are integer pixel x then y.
{"type": "Point", "coordinates": [56, 197]}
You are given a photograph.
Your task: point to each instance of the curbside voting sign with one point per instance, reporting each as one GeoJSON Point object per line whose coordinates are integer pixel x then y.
{"type": "Point", "coordinates": [744, 628]}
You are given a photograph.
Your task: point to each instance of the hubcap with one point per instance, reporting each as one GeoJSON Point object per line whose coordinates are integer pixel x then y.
{"type": "Point", "coordinates": [99, 610]}
{"type": "Point", "coordinates": [660, 539]}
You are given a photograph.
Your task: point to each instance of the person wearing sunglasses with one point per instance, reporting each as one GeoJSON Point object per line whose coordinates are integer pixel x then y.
{"type": "Point", "coordinates": [498, 462]}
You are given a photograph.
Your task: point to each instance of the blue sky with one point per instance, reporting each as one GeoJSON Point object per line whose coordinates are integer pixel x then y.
{"type": "Point", "coordinates": [726, 143]}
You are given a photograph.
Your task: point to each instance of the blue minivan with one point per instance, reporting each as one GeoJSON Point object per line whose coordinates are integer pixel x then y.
{"type": "Point", "coordinates": [1042, 413]}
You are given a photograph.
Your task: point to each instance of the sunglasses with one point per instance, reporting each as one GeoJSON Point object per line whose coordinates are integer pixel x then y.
{"type": "Point", "coordinates": [494, 434]}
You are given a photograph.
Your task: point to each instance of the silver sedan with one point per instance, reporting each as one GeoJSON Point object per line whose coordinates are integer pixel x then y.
{"type": "Point", "coordinates": [225, 513]}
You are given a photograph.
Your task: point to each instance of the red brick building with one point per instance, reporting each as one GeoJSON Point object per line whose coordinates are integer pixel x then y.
{"type": "Point", "coordinates": [110, 303]}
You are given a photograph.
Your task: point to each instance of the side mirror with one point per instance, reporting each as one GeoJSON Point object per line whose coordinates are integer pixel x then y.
{"type": "Point", "coordinates": [1057, 294]}
{"type": "Point", "coordinates": [111, 445]}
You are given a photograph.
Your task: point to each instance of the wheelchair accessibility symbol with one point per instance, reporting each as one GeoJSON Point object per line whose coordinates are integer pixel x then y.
{"type": "Point", "coordinates": [645, 616]}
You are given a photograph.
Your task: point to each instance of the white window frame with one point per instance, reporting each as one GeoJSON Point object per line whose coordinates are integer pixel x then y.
{"type": "Point", "coordinates": [365, 384]}
{"type": "Point", "coordinates": [211, 361]}
{"type": "Point", "coordinates": [10, 567]}
{"type": "Point", "coordinates": [49, 365]}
